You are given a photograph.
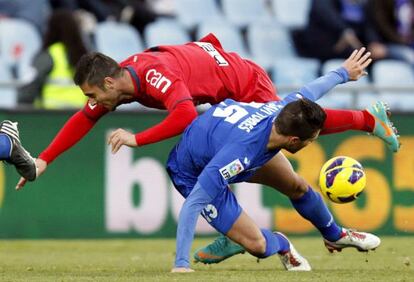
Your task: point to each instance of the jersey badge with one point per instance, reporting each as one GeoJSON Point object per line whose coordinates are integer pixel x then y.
{"type": "Point", "coordinates": [231, 169]}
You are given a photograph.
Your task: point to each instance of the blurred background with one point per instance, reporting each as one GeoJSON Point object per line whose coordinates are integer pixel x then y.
{"type": "Point", "coordinates": [90, 193]}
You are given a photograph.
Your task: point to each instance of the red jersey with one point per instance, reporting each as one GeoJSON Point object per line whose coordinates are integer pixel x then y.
{"type": "Point", "coordinates": [173, 77]}
{"type": "Point", "coordinates": [200, 71]}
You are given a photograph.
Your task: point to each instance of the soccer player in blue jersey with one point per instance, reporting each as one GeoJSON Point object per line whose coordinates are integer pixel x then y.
{"type": "Point", "coordinates": [230, 143]}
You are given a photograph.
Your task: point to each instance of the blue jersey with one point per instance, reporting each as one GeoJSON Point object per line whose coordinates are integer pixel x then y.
{"type": "Point", "coordinates": [229, 142]}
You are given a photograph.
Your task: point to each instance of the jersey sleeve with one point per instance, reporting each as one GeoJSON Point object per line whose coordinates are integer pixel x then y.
{"type": "Point", "coordinates": [174, 124]}
{"type": "Point", "coordinates": [229, 162]}
{"type": "Point", "coordinates": [70, 134]}
{"type": "Point", "coordinates": [164, 85]}
{"type": "Point", "coordinates": [320, 86]}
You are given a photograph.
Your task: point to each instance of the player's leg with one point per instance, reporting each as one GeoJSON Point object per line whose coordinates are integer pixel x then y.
{"type": "Point", "coordinates": [226, 216]}
{"type": "Point", "coordinates": [12, 151]}
{"type": "Point", "coordinates": [279, 174]}
{"type": "Point", "coordinates": [374, 120]}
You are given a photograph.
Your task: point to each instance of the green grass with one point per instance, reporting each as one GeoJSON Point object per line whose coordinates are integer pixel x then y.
{"type": "Point", "coordinates": [151, 260]}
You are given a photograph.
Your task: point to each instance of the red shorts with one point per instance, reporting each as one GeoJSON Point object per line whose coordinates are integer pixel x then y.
{"type": "Point", "coordinates": [261, 89]}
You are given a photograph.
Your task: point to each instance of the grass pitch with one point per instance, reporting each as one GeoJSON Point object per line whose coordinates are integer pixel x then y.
{"type": "Point", "coordinates": [151, 260]}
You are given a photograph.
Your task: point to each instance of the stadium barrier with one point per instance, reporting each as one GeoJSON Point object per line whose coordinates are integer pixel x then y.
{"type": "Point", "coordinates": [90, 193]}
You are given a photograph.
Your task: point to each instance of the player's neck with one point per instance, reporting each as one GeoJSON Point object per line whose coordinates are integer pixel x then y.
{"type": "Point", "coordinates": [276, 140]}
{"type": "Point", "coordinates": [126, 86]}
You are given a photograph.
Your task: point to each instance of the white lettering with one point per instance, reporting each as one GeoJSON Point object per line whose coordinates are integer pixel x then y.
{"type": "Point", "coordinates": [166, 85]}
{"type": "Point", "coordinates": [157, 80]}
{"type": "Point", "coordinates": [122, 175]}
{"type": "Point", "coordinates": [209, 48]}
{"type": "Point", "coordinates": [249, 123]}
{"type": "Point", "coordinates": [210, 212]}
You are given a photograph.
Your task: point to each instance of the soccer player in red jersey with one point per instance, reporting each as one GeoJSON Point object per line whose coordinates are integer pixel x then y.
{"type": "Point", "coordinates": [177, 78]}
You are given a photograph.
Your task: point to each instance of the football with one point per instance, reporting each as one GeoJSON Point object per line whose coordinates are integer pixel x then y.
{"type": "Point", "coordinates": [342, 179]}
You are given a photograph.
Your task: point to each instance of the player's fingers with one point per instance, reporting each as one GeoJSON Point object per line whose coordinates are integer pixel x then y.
{"type": "Point", "coordinates": [353, 54]}
{"type": "Point", "coordinates": [112, 136]}
{"type": "Point", "coordinates": [366, 64]}
{"type": "Point", "coordinates": [117, 146]}
{"type": "Point", "coordinates": [112, 143]}
{"type": "Point", "coordinates": [359, 53]}
{"type": "Point", "coordinates": [21, 183]}
{"type": "Point", "coordinates": [364, 58]}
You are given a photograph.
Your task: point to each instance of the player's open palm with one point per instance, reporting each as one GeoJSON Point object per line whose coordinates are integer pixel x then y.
{"type": "Point", "coordinates": [121, 137]}
{"type": "Point", "coordinates": [357, 63]}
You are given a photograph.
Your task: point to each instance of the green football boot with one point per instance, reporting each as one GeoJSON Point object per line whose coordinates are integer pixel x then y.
{"type": "Point", "coordinates": [384, 128]}
{"type": "Point", "coordinates": [221, 249]}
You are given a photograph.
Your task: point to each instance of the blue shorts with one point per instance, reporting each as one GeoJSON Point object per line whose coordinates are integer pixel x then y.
{"type": "Point", "coordinates": [221, 213]}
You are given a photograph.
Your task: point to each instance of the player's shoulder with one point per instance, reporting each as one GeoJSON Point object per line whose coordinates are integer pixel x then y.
{"type": "Point", "coordinates": [133, 59]}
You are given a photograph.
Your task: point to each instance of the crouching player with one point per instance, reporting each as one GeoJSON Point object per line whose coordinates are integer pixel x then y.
{"type": "Point", "coordinates": [230, 143]}
{"type": "Point", "coordinates": [223, 147]}
{"type": "Point", "coordinates": [12, 151]}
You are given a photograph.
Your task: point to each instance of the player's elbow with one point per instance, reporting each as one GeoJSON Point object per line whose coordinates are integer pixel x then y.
{"type": "Point", "coordinates": [192, 114]}
{"type": "Point", "coordinates": [188, 112]}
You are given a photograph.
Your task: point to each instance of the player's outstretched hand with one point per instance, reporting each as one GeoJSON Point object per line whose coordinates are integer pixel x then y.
{"type": "Point", "coordinates": [121, 137]}
{"type": "Point", "coordinates": [41, 166]}
{"type": "Point", "coordinates": [357, 63]}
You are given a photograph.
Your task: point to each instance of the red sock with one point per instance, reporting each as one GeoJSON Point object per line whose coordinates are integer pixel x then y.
{"type": "Point", "coordinates": [343, 120]}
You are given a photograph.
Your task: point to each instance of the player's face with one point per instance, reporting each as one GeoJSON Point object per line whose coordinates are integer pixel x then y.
{"type": "Point", "coordinates": [107, 97]}
{"type": "Point", "coordinates": [295, 144]}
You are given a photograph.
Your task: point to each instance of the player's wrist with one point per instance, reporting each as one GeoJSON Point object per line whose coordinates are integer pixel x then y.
{"type": "Point", "coordinates": [45, 157]}
{"type": "Point", "coordinates": [137, 140]}
{"type": "Point", "coordinates": [343, 73]}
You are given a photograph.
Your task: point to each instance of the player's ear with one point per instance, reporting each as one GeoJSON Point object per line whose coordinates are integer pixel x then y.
{"type": "Point", "coordinates": [293, 140]}
{"type": "Point", "coordinates": [109, 82]}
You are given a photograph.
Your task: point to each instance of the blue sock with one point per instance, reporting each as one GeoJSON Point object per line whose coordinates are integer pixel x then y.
{"type": "Point", "coordinates": [313, 208]}
{"type": "Point", "coordinates": [5, 147]}
{"type": "Point", "coordinates": [274, 243]}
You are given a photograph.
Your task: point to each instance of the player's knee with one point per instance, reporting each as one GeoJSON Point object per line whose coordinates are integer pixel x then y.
{"type": "Point", "coordinates": [299, 188]}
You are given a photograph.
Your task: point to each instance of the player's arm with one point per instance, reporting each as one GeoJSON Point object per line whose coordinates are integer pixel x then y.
{"type": "Point", "coordinates": [174, 124]}
{"type": "Point", "coordinates": [211, 182]}
{"type": "Point", "coordinates": [352, 69]}
{"type": "Point", "coordinates": [71, 133]}
{"type": "Point", "coordinates": [177, 120]}
{"type": "Point", "coordinates": [187, 220]}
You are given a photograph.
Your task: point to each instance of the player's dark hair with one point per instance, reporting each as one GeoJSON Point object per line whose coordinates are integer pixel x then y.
{"type": "Point", "coordinates": [93, 67]}
{"type": "Point", "coordinates": [301, 118]}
